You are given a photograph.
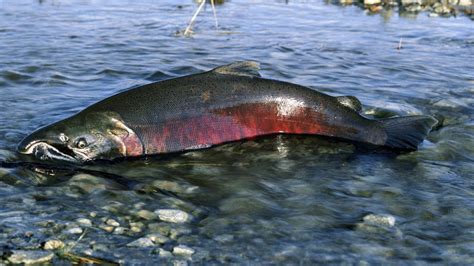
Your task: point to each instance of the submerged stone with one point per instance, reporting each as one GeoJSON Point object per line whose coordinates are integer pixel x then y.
{"type": "Point", "coordinates": [183, 250]}
{"type": "Point", "coordinates": [53, 244]}
{"type": "Point", "coordinates": [30, 256]}
{"type": "Point", "coordinates": [380, 220]}
{"type": "Point", "coordinates": [173, 216]}
{"type": "Point", "coordinates": [142, 243]}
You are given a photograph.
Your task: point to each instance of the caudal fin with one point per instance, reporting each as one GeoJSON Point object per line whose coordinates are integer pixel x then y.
{"type": "Point", "coordinates": [407, 132]}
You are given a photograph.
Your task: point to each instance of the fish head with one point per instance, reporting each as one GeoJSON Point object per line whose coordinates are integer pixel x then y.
{"type": "Point", "coordinates": [81, 138]}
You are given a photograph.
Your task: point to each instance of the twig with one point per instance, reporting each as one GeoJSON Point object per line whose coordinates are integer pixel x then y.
{"type": "Point", "coordinates": [399, 47]}
{"type": "Point", "coordinates": [188, 29]}
{"type": "Point", "coordinates": [77, 241]}
{"type": "Point", "coordinates": [214, 12]}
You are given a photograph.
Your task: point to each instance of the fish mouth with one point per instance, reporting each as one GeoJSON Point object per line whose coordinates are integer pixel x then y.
{"type": "Point", "coordinates": [45, 151]}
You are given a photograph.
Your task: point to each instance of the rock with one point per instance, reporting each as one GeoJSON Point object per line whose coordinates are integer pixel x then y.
{"type": "Point", "coordinates": [164, 253]}
{"type": "Point", "coordinates": [173, 216]}
{"type": "Point", "coordinates": [183, 250]}
{"type": "Point", "coordinates": [84, 222]}
{"type": "Point", "coordinates": [411, 2]}
{"type": "Point", "coordinates": [158, 238]}
{"type": "Point", "coordinates": [380, 220]}
{"type": "Point", "coordinates": [146, 214]}
{"type": "Point", "coordinates": [372, 2]}
{"type": "Point", "coordinates": [53, 244]}
{"type": "Point", "coordinates": [180, 263]}
{"type": "Point", "coordinates": [176, 232]}
{"type": "Point", "coordinates": [112, 222]}
{"type": "Point", "coordinates": [465, 3]}
{"type": "Point", "coordinates": [142, 243]}
{"type": "Point", "coordinates": [224, 238]}
{"type": "Point", "coordinates": [120, 230]}
{"type": "Point", "coordinates": [107, 228]}
{"type": "Point", "coordinates": [30, 256]}
{"type": "Point", "coordinates": [93, 214]}
{"type": "Point", "coordinates": [444, 10]}
{"type": "Point", "coordinates": [74, 231]}
{"type": "Point", "coordinates": [136, 227]}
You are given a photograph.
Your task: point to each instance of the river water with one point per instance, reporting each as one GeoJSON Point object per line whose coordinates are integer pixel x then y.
{"type": "Point", "coordinates": [282, 199]}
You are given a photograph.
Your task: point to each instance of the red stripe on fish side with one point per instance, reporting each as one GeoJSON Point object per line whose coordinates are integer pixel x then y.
{"type": "Point", "coordinates": [133, 145]}
{"type": "Point", "coordinates": [234, 123]}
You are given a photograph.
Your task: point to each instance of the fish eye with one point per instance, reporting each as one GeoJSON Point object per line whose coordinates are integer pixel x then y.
{"type": "Point", "coordinates": [81, 143]}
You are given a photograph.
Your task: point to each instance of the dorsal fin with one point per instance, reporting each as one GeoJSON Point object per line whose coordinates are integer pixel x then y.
{"type": "Point", "coordinates": [351, 102]}
{"type": "Point", "coordinates": [242, 68]}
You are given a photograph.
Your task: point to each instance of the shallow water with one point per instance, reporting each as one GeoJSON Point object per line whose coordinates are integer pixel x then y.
{"type": "Point", "coordinates": [283, 199]}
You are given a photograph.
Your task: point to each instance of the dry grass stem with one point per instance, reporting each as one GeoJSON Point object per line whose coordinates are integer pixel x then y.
{"type": "Point", "coordinates": [214, 12]}
{"type": "Point", "coordinates": [188, 31]}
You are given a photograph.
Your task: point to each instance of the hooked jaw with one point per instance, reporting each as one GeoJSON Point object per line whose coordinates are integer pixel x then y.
{"type": "Point", "coordinates": [45, 149]}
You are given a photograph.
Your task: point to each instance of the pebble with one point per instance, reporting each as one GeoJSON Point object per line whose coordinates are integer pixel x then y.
{"type": "Point", "coordinates": [411, 2]}
{"type": "Point", "coordinates": [164, 253]}
{"type": "Point", "coordinates": [107, 228]}
{"type": "Point", "coordinates": [146, 214]}
{"type": "Point", "coordinates": [112, 222]}
{"type": "Point", "coordinates": [84, 221]}
{"type": "Point", "coordinates": [224, 238]}
{"type": "Point", "coordinates": [372, 2]}
{"type": "Point", "coordinates": [74, 230]}
{"type": "Point", "coordinates": [136, 227]}
{"type": "Point", "coordinates": [180, 263]}
{"type": "Point", "coordinates": [30, 256]}
{"type": "Point", "coordinates": [173, 216]}
{"type": "Point", "coordinates": [53, 244]}
{"type": "Point", "coordinates": [182, 250]}
{"type": "Point", "coordinates": [379, 219]}
{"type": "Point", "coordinates": [120, 230]}
{"type": "Point", "coordinates": [142, 243]}
{"type": "Point", "coordinates": [158, 238]}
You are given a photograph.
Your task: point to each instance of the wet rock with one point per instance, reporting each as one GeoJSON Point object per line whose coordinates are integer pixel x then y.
{"type": "Point", "coordinates": [161, 228]}
{"type": "Point", "coordinates": [380, 220]}
{"type": "Point", "coordinates": [84, 222]}
{"type": "Point", "coordinates": [30, 256]}
{"type": "Point", "coordinates": [107, 228]}
{"type": "Point", "coordinates": [411, 2]}
{"type": "Point", "coordinates": [112, 222]}
{"type": "Point", "coordinates": [173, 216]}
{"type": "Point", "coordinates": [464, 2]}
{"type": "Point", "coordinates": [120, 230]}
{"type": "Point", "coordinates": [87, 183]}
{"type": "Point", "coordinates": [164, 253]}
{"type": "Point", "coordinates": [443, 10]}
{"type": "Point", "coordinates": [53, 244]}
{"type": "Point", "coordinates": [158, 238]}
{"type": "Point", "coordinates": [177, 232]}
{"type": "Point", "coordinates": [142, 243]}
{"type": "Point", "coordinates": [224, 238]}
{"type": "Point", "coordinates": [180, 263]}
{"type": "Point", "coordinates": [372, 2]}
{"type": "Point", "coordinates": [183, 250]}
{"type": "Point", "coordinates": [147, 215]}
{"type": "Point", "coordinates": [136, 227]}
{"type": "Point", "coordinates": [74, 231]}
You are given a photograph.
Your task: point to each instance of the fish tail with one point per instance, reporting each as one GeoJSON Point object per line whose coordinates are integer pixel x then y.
{"type": "Point", "coordinates": [407, 132]}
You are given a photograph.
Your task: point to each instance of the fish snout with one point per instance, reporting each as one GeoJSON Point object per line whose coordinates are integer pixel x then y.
{"type": "Point", "coordinates": [46, 148]}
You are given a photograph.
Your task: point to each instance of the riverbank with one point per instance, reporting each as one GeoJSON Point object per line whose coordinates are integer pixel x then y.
{"type": "Point", "coordinates": [434, 8]}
